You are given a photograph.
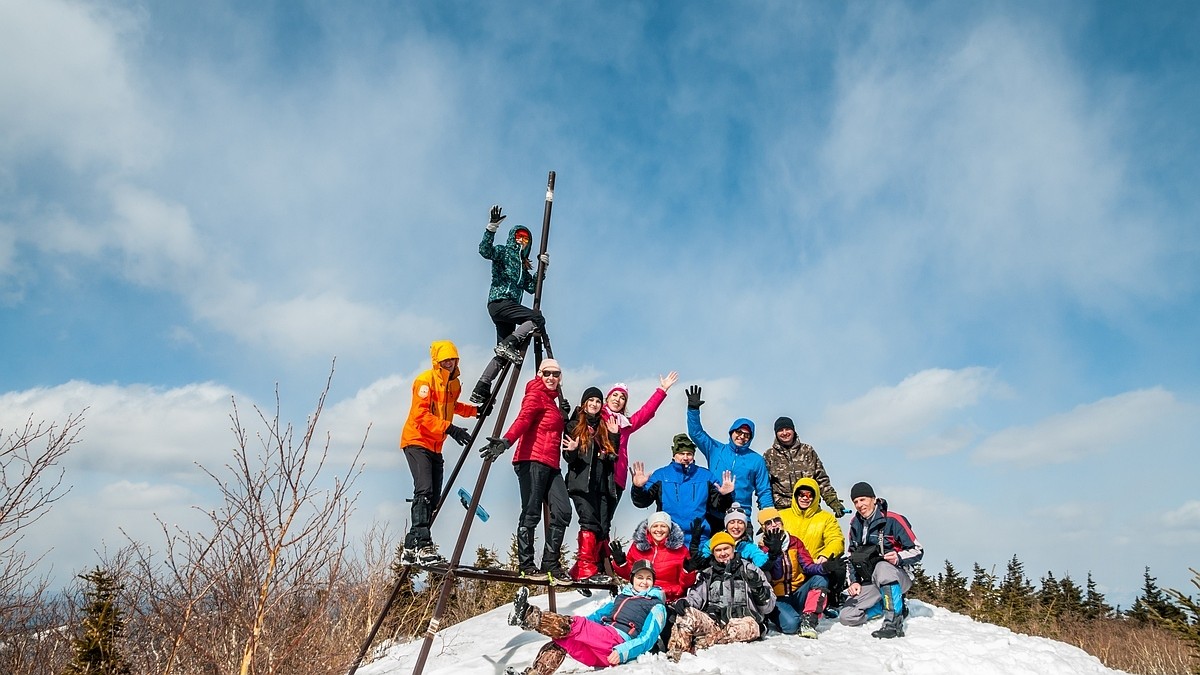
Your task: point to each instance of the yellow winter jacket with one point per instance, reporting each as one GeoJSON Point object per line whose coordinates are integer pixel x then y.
{"type": "Point", "coordinates": [434, 402]}
{"type": "Point", "coordinates": [817, 528]}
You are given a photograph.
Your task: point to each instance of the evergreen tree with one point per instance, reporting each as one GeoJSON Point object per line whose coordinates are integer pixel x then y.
{"type": "Point", "coordinates": [952, 589]}
{"type": "Point", "coordinates": [982, 595]}
{"type": "Point", "coordinates": [1188, 625]}
{"type": "Point", "coordinates": [95, 648]}
{"type": "Point", "coordinates": [1094, 605]}
{"type": "Point", "coordinates": [1049, 596]}
{"type": "Point", "coordinates": [1015, 594]}
{"type": "Point", "coordinates": [1070, 598]}
{"type": "Point", "coordinates": [923, 588]}
{"type": "Point", "coordinates": [1153, 606]}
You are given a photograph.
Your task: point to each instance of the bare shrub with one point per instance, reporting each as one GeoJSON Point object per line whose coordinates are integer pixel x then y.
{"type": "Point", "coordinates": [31, 481]}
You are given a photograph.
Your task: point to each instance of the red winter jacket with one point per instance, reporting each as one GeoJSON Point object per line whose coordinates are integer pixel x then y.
{"type": "Point", "coordinates": [537, 431]}
{"type": "Point", "coordinates": [666, 557]}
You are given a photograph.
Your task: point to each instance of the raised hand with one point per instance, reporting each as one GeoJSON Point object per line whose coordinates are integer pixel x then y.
{"type": "Point", "coordinates": [727, 481]}
{"type": "Point", "coordinates": [569, 443]}
{"type": "Point", "coordinates": [494, 218]}
{"type": "Point", "coordinates": [693, 394]}
{"type": "Point", "coordinates": [618, 554]}
{"type": "Point", "coordinates": [667, 382]}
{"type": "Point", "coordinates": [637, 472]}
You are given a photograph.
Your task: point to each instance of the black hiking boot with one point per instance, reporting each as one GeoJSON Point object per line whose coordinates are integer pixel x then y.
{"type": "Point", "coordinates": [892, 627]}
{"type": "Point", "coordinates": [520, 607]}
{"type": "Point", "coordinates": [509, 350]}
{"type": "Point", "coordinates": [481, 393]}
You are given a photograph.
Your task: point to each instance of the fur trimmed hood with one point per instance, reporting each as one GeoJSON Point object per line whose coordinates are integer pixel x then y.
{"type": "Point", "coordinates": [641, 537]}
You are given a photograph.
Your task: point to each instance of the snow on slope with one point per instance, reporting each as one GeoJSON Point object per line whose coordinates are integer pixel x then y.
{"type": "Point", "coordinates": [937, 641]}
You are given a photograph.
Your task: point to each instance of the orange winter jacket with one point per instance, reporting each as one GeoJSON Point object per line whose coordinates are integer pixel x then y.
{"type": "Point", "coordinates": [434, 402]}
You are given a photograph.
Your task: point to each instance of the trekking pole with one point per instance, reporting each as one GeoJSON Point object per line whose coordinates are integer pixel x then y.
{"type": "Point", "coordinates": [541, 272]}
{"type": "Point", "coordinates": [448, 580]}
{"type": "Point", "coordinates": [404, 574]}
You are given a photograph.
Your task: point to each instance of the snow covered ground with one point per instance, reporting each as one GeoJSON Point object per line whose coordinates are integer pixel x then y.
{"type": "Point", "coordinates": [938, 641]}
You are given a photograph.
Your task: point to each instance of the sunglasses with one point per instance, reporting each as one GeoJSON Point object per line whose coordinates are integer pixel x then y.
{"type": "Point", "coordinates": [551, 373]}
{"type": "Point", "coordinates": [740, 432]}
{"type": "Point", "coordinates": [804, 494]}
{"type": "Point", "coordinates": [773, 521]}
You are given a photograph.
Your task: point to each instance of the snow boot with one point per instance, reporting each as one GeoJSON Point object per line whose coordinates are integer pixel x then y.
{"type": "Point", "coordinates": [509, 350]}
{"type": "Point", "coordinates": [520, 607]}
{"type": "Point", "coordinates": [481, 393]}
{"type": "Point", "coordinates": [585, 557]}
{"type": "Point", "coordinates": [551, 552]}
{"type": "Point", "coordinates": [408, 556]}
{"type": "Point", "coordinates": [525, 551]}
{"type": "Point", "coordinates": [428, 555]}
{"type": "Point", "coordinates": [894, 611]}
{"type": "Point", "coordinates": [808, 626]}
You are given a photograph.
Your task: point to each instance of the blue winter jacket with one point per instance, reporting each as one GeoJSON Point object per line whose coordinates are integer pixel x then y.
{"type": "Point", "coordinates": [749, 469]}
{"type": "Point", "coordinates": [684, 493]}
{"type": "Point", "coordinates": [647, 634]}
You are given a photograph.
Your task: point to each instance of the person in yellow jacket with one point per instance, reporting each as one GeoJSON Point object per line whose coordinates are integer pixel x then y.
{"type": "Point", "coordinates": [434, 405]}
{"type": "Point", "coordinates": [819, 530]}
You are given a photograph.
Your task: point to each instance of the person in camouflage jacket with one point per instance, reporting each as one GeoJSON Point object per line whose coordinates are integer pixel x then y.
{"type": "Point", "coordinates": [788, 460]}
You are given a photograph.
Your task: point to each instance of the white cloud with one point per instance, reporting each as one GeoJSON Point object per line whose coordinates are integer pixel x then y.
{"type": "Point", "coordinates": [1088, 430]}
{"type": "Point", "coordinates": [1187, 516]}
{"type": "Point", "coordinates": [67, 87]}
{"type": "Point", "coordinates": [892, 415]}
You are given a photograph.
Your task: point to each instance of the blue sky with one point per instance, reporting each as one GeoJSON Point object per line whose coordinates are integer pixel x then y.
{"type": "Point", "coordinates": [955, 242]}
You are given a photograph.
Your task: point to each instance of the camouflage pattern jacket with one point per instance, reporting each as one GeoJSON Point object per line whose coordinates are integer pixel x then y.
{"type": "Point", "coordinates": [788, 465]}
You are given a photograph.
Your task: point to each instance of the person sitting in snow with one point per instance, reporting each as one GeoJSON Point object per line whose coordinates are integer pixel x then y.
{"type": "Point", "coordinates": [819, 530]}
{"type": "Point", "coordinates": [728, 603]}
{"type": "Point", "coordinates": [512, 278]}
{"type": "Point", "coordinates": [738, 526]}
{"type": "Point", "coordinates": [749, 471]}
{"type": "Point", "coordinates": [683, 489]}
{"type": "Point", "coordinates": [618, 631]}
{"type": "Point", "coordinates": [801, 591]}
{"type": "Point", "coordinates": [882, 545]}
{"type": "Point", "coordinates": [660, 541]}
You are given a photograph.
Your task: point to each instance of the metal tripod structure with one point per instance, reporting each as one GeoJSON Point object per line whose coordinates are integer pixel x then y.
{"type": "Point", "coordinates": [508, 378]}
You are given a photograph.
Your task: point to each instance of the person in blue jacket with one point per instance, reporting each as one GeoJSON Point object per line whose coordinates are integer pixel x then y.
{"type": "Point", "coordinates": [689, 493]}
{"type": "Point", "coordinates": [749, 469]}
{"type": "Point", "coordinates": [616, 632]}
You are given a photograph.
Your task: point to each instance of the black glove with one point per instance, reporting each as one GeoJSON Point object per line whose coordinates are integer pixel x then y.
{"type": "Point", "coordinates": [697, 533]}
{"type": "Point", "coordinates": [495, 218]}
{"type": "Point", "coordinates": [695, 563]}
{"type": "Point", "coordinates": [774, 542]}
{"type": "Point", "coordinates": [494, 448]}
{"type": "Point", "coordinates": [618, 555]}
{"type": "Point", "coordinates": [758, 588]}
{"type": "Point", "coordinates": [693, 394]}
{"type": "Point", "coordinates": [459, 434]}
{"type": "Point", "coordinates": [837, 509]}
{"type": "Point", "coordinates": [565, 406]}
{"type": "Point", "coordinates": [484, 409]}
{"type": "Point", "coordinates": [680, 606]}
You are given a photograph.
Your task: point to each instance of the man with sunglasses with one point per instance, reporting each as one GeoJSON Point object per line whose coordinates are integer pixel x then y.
{"type": "Point", "coordinates": [512, 278]}
{"type": "Point", "coordinates": [750, 476]}
{"type": "Point", "coordinates": [537, 432]}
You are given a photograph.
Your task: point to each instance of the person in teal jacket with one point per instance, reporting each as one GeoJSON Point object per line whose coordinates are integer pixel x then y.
{"type": "Point", "coordinates": [619, 631]}
{"type": "Point", "coordinates": [748, 468]}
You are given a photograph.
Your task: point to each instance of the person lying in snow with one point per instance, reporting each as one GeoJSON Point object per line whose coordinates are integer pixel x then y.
{"type": "Point", "coordinates": [618, 631]}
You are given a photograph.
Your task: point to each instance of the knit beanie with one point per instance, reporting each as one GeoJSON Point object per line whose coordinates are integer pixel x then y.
{"type": "Point", "coordinates": [861, 490]}
{"type": "Point", "coordinates": [719, 539]}
{"type": "Point", "coordinates": [767, 515]}
{"type": "Point", "coordinates": [590, 392]}
{"type": "Point", "coordinates": [549, 364]}
{"type": "Point", "coordinates": [784, 423]}
{"type": "Point", "coordinates": [620, 386]}
{"type": "Point", "coordinates": [682, 443]}
{"type": "Point", "coordinates": [736, 512]}
{"type": "Point", "coordinates": [658, 517]}
{"type": "Point", "coordinates": [642, 565]}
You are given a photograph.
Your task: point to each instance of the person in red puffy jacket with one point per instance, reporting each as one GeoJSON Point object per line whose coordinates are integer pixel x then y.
{"type": "Point", "coordinates": [660, 541]}
{"type": "Point", "coordinates": [537, 433]}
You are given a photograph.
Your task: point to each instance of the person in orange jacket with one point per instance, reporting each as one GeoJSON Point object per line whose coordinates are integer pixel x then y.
{"type": "Point", "coordinates": [434, 405]}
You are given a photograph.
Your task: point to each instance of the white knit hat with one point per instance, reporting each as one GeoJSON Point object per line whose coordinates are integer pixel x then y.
{"type": "Point", "coordinates": [659, 517]}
